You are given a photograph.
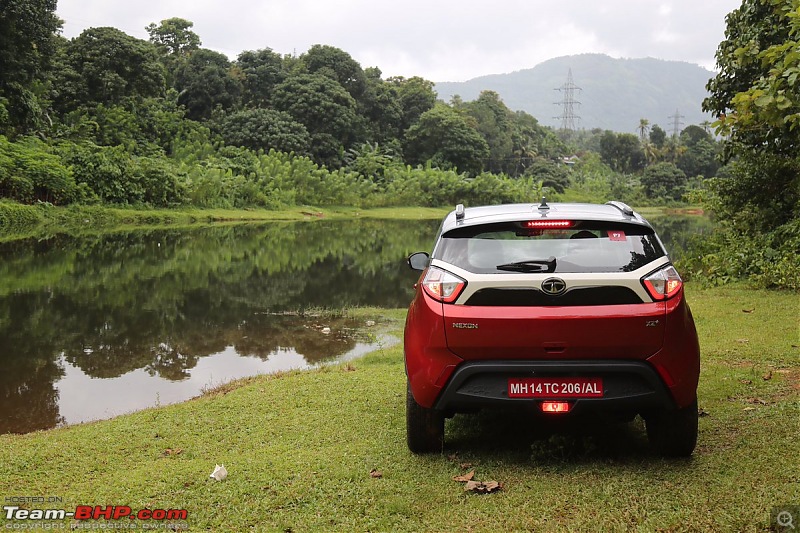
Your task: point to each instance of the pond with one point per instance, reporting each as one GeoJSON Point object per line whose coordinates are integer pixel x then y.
{"type": "Point", "coordinates": [93, 327]}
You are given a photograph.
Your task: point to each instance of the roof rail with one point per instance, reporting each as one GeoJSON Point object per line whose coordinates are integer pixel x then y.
{"type": "Point", "coordinates": [623, 207]}
{"type": "Point", "coordinates": [459, 211]}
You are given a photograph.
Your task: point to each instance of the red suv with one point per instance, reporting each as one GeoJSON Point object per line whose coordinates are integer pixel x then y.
{"type": "Point", "coordinates": [562, 309]}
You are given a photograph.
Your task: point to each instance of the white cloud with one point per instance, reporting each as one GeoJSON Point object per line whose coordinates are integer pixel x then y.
{"type": "Point", "coordinates": [444, 40]}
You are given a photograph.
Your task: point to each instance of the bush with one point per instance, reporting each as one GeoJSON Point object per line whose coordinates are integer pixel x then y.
{"type": "Point", "coordinates": [29, 172]}
{"type": "Point", "coordinates": [107, 171]}
{"type": "Point", "coordinates": [16, 217]}
{"type": "Point", "coordinates": [769, 260]}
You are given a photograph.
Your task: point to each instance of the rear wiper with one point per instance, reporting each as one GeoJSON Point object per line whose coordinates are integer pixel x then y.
{"type": "Point", "coordinates": [532, 265]}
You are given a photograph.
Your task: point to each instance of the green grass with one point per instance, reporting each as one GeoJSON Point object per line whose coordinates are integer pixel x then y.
{"type": "Point", "coordinates": [299, 448]}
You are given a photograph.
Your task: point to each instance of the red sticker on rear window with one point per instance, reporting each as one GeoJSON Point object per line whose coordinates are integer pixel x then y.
{"type": "Point", "coordinates": [616, 235]}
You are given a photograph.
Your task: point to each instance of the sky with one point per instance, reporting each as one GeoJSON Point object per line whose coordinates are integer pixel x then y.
{"type": "Point", "coordinates": [439, 40]}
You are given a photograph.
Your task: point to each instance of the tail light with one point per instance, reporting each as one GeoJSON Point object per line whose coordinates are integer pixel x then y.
{"type": "Point", "coordinates": [663, 284]}
{"type": "Point", "coordinates": [442, 285]}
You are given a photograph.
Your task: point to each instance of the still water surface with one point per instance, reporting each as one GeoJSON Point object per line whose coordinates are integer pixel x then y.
{"type": "Point", "coordinates": [92, 327]}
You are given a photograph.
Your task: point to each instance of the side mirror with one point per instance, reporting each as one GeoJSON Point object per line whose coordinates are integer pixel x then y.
{"type": "Point", "coordinates": [418, 261]}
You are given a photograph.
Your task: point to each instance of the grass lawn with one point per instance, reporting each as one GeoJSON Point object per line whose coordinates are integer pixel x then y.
{"type": "Point", "coordinates": [299, 448]}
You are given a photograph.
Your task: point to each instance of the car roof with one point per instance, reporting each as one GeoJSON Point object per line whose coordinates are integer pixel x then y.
{"type": "Point", "coordinates": [609, 212]}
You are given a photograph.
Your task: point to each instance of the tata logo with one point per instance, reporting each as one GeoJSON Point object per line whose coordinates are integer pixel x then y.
{"type": "Point", "coordinates": [554, 286]}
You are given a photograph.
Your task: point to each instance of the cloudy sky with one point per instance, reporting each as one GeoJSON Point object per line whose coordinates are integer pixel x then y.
{"type": "Point", "coordinates": [440, 40]}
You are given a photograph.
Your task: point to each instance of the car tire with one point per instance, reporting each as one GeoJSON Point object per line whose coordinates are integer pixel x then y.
{"type": "Point", "coordinates": [424, 427]}
{"type": "Point", "coordinates": [673, 433]}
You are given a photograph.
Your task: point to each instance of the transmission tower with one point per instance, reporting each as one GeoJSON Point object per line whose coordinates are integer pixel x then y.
{"type": "Point", "coordinates": [568, 103]}
{"type": "Point", "coordinates": [676, 123]}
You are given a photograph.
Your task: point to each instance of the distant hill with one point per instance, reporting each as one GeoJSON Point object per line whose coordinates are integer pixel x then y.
{"type": "Point", "coordinates": [615, 93]}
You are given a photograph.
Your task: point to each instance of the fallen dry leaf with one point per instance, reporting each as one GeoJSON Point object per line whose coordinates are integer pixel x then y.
{"type": "Point", "coordinates": [758, 401]}
{"type": "Point", "coordinates": [749, 408]}
{"type": "Point", "coordinates": [466, 477]}
{"type": "Point", "coordinates": [170, 451]}
{"type": "Point", "coordinates": [377, 474]}
{"type": "Point", "coordinates": [742, 341]}
{"type": "Point", "coordinates": [483, 487]}
{"type": "Point", "coordinates": [702, 412]}
{"type": "Point", "coordinates": [464, 466]}
{"type": "Point", "coordinates": [746, 381]}
{"type": "Point", "coordinates": [767, 376]}
{"type": "Point", "coordinates": [748, 310]}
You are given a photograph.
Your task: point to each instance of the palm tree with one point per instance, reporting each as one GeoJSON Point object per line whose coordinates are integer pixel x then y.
{"type": "Point", "coordinates": [644, 127]}
{"type": "Point", "coordinates": [651, 152]}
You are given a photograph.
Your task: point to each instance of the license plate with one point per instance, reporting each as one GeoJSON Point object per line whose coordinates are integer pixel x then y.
{"type": "Point", "coordinates": [555, 388]}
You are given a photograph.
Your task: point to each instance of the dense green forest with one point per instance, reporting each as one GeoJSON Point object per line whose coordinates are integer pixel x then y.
{"type": "Point", "coordinates": [106, 117]}
{"type": "Point", "coordinates": [110, 119]}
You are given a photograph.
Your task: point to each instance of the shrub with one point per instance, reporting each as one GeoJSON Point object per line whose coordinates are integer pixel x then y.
{"type": "Point", "coordinates": [29, 172]}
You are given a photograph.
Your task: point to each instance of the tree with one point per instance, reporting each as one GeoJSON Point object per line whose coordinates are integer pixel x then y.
{"type": "Point", "coordinates": [693, 134]}
{"type": "Point", "coordinates": [663, 180]}
{"type": "Point", "coordinates": [658, 137]}
{"type": "Point", "coordinates": [204, 82]}
{"type": "Point", "coordinates": [174, 36]}
{"type": "Point", "coordinates": [380, 106]}
{"type": "Point", "coordinates": [27, 45]}
{"type": "Point", "coordinates": [622, 151]}
{"type": "Point", "coordinates": [699, 156]}
{"type": "Point", "coordinates": [447, 139]}
{"type": "Point", "coordinates": [416, 97]}
{"type": "Point", "coordinates": [174, 40]}
{"type": "Point", "coordinates": [263, 129]}
{"type": "Point", "coordinates": [106, 66]}
{"type": "Point", "coordinates": [262, 70]}
{"type": "Point", "coordinates": [531, 141]}
{"type": "Point", "coordinates": [700, 159]}
{"type": "Point", "coordinates": [550, 174]}
{"type": "Point", "coordinates": [756, 96]}
{"type": "Point", "coordinates": [326, 110]}
{"type": "Point", "coordinates": [338, 65]}
{"type": "Point", "coordinates": [494, 124]}
{"type": "Point", "coordinates": [755, 93]}
{"type": "Point", "coordinates": [644, 127]}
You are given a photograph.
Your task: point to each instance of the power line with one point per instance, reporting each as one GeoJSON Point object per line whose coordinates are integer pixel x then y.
{"type": "Point", "coordinates": [568, 103]}
{"type": "Point", "coordinates": [676, 123]}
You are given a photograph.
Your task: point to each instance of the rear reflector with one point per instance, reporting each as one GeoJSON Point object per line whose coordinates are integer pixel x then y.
{"type": "Point", "coordinates": [555, 407]}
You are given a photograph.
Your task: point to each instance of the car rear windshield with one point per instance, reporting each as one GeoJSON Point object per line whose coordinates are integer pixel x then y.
{"type": "Point", "coordinates": [588, 246]}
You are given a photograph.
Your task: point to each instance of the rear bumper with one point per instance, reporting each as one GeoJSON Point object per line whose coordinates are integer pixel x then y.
{"type": "Point", "coordinates": [628, 386]}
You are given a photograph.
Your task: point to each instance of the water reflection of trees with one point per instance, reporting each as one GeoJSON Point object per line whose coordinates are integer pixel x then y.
{"type": "Point", "coordinates": [159, 300]}
{"type": "Point", "coordinates": [676, 231]}
{"type": "Point", "coordinates": [30, 368]}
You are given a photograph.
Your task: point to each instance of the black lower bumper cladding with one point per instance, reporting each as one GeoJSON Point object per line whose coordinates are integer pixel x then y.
{"type": "Point", "coordinates": [627, 385]}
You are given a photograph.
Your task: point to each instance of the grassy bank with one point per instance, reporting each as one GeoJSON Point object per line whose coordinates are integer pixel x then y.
{"type": "Point", "coordinates": [299, 449]}
{"type": "Point", "coordinates": [20, 221]}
